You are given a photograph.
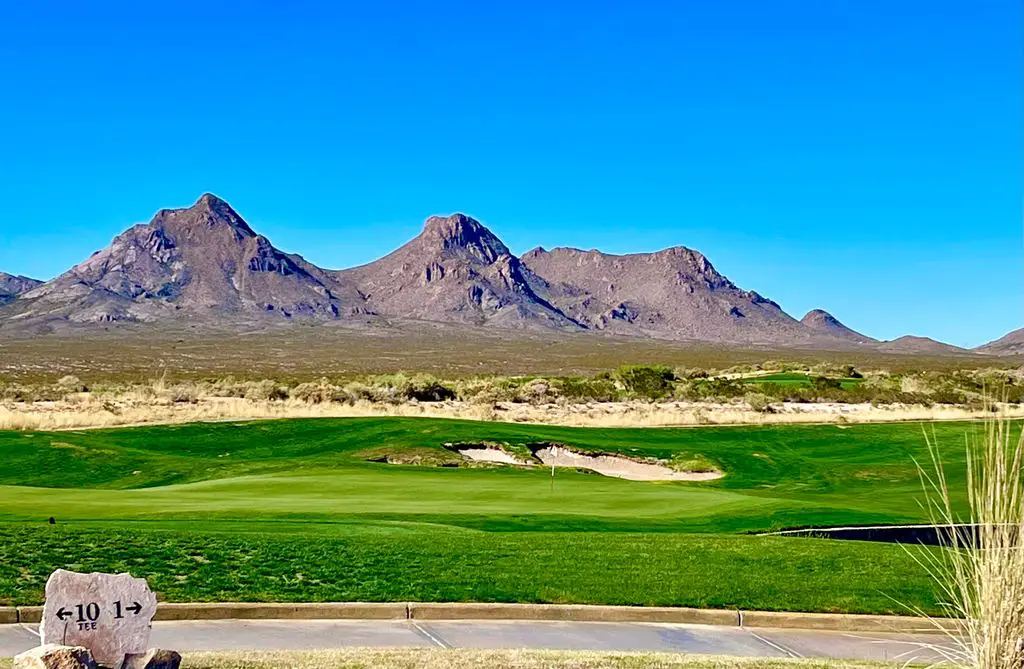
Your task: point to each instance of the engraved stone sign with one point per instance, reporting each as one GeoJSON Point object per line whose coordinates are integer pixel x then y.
{"type": "Point", "coordinates": [110, 614]}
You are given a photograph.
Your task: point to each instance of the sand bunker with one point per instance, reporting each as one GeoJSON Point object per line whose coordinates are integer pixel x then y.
{"type": "Point", "coordinates": [622, 468]}
{"type": "Point", "coordinates": [490, 455]}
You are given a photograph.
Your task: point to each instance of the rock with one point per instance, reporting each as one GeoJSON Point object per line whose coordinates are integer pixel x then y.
{"type": "Point", "coordinates": [111, 615]}
{"type": "Point", "coordinates": [154, 658]}
{"type": "Point", "coordinates": [52, 656]}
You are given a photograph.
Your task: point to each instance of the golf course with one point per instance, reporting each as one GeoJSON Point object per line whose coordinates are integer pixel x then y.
{"type": "Point", "coordinates": [318, 510]}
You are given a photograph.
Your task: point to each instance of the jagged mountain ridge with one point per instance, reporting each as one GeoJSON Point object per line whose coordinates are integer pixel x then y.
{"type": "Point", "coordinates": [204, 263]}
{"type": "Point", "coordinates": [12, 285]}
{"type": "Point", "coordinates": [204, 260]}
{"type": "Point", "coordinates": [457, 270]}
{"type": "Point", "coordinates": [675, 293]}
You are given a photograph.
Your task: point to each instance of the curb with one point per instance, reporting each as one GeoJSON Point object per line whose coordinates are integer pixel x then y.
{"type": "Point", "coordinates": [305, 611]}
{"type": "Point", "coordinates": [846, 622]}
{"type": "Point", "coordinates": [572, 612]}
{"type": "Point", "coordinates": [550, 612]}
{"type": "Point", "coordinates": [30, 614]}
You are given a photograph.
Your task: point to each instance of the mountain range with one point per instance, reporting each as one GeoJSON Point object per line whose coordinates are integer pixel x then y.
{"type": "Point", "coordinates": [205, 264]}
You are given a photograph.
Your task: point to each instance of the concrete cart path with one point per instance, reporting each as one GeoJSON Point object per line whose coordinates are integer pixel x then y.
{"type": "Point", "coordinates": [661, 637]}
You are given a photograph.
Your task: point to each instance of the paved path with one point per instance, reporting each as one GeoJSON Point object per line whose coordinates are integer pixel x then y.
{"type": "Point", "coordinates": [311, 634]}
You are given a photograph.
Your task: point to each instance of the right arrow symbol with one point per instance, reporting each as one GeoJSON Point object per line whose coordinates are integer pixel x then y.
{"type": "Point", "coordinates": [135, 608]}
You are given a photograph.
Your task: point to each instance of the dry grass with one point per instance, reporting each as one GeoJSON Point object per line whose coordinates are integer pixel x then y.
{"type": "Point", "coordinates": [493, 659]}
{"type": "Point", "coordinates": [308, 353]}
{"type": "Point", "coordinates": [981, 576]}
{"type": "Point", "coordinates": [85, 410]}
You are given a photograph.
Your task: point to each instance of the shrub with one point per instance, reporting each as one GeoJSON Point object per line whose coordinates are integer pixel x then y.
{"type": "Point", "coordinates": [758, 402]}
{"type": "Point", "coordinates": [317, 392]}
{"type": "Point", "coordinates": [265, 390]}
{"type": "Point", "coordinates": [71, 384]}
{"type": "Point", "coordinates": [597, 389]}
{"type": "Point", "coordinates": [538, 391]}
{"type": "Point", "coordinates": [426, 388]}
{"type": "Point", "coordinates": [184, 393]}
{"type": "Point", "coordinates": [646, 381]}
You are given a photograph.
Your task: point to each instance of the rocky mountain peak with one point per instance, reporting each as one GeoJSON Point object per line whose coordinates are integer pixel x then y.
{"type": "Point", "coordinates": [208, 213]}
{"type": "Point", "coordinates": [816, 317]}
{"type": "Point", "coordinates": [460, 231]}
{"type": "Point", "coordinates": [12, 286]}
{"type": "Point", "coordinates": [821, 321]}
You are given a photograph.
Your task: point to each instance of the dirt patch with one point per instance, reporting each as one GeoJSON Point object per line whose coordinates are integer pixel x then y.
{"type": "Point", "coordinates": [429, 457]}
{"type": "Point", "coordinates": [491, 455]}
{"type": "Point", "coordinates": [619, 467]}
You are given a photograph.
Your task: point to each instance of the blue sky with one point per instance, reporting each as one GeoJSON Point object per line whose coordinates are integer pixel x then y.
{"type": "Point", "coordinates": [862, 156]}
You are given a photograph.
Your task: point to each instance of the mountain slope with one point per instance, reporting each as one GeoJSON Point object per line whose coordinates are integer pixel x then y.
{"type": "Point", "coordinates": [204, 266]}
{"type": "Point", "coordinates": [455, 270]}
{"type": "Point", "coordinates": [203, 260]}
{"type": "Point", "coordinates": [820, 320]}
{"type": "Point", "coordinates": [1009, 344]}
{"type": "Point", "coordinates": [918, 345]}
{"type": "Point", "coordinates": [675, 293]}
{"type": "Point", "coordinates": [11, 286]}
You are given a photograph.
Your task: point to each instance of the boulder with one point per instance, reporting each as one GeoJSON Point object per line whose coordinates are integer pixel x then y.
{"type": "Point", "coordinates": [52, 656]}
{"type": "Point", "coordinates": [110, 614]}
{"type": "Point", "coordinates": [154, 658]}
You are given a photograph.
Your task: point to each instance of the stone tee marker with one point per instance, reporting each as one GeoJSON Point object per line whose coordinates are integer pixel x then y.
{"type": "Point", "coordinates": [111, 615]}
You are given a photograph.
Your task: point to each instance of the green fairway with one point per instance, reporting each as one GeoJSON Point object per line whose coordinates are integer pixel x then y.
{"type": "Point", "coordinates": [293, 510]}
{"type": "Point", "coordinates": [798, 379]}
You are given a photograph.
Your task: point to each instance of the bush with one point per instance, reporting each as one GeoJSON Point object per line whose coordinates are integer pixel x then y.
{"type": "Point", "coordinates": [426, 388]}
{"type": "Point", "coordinates": [184, 393]}
{"type": "Point", "coordinates": [758, 402]}
{"type": "Point", "coordinates": [538, 391]}
{"type": "Point", "coordinates": [317, 392]}
{"type": "Point", "coordinates": [598, 389]}
{"type": "Point", "coordinates": [646, 381]}
{"type": "Point", "coordinates": [71, 384]}
{"type": "Point", "coordinates": [265, 390]}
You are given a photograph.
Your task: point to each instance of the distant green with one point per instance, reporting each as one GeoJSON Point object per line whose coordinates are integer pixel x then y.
{"type": "Point", "coordinates": [797, 379]}
{"type": "Point", "coordinates": [287, 510]}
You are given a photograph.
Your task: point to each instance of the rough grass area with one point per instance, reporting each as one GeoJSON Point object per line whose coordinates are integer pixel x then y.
{"type": "Point", "coordinates": [404, 561]}
{"type": "Point", "coordinates": [489, 659]}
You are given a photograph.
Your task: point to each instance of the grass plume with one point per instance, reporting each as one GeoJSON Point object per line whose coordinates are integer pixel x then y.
{"type": "Point", "coordinates": [981, 574]}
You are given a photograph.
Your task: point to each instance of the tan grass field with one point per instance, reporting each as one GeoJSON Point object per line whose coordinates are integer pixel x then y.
{"type": "Point", "coordinates": [306, 353]}
{"type": "Point", "coordinates": [488, 659]}
{"type": "Point", "coordinates": [86, 410]}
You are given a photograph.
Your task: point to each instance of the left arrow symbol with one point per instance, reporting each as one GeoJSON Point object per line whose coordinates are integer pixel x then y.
{"type": "Point", "coordinates": [63, 615]}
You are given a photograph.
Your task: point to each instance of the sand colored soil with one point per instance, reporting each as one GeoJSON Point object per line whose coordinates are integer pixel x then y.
{"type": "Point", "coordinates": [623, 468]}
{"type": "Point", "coordinates": [490, 455]}
{"type": "Point", "coordinates": [88, 411]}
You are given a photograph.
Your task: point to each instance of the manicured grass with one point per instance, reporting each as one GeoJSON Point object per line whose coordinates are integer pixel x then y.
{"type": "Point", "coordinates": [225, 561]}
{"type": "Point", "coordinates": [291, 510]}
{"type": "Point", "coordinates": [796, 379]}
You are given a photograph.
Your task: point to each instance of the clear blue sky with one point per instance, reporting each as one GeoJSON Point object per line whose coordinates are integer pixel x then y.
{"type": "Point", "coordinates": [863, 156]}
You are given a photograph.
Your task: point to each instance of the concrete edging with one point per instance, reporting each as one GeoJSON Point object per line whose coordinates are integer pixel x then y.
{"type": "Point", "coordinates": [300, 611]}
{"type": "Point", "coordinates": [497, 611]}
{"type": "Point", "coordinates": [571, 612]}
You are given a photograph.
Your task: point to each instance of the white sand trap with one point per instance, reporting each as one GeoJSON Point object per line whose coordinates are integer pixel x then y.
{"type": "Point", "coordinates": [622, 468]}
{"type": "Point", "coordinates": [490, 455]}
